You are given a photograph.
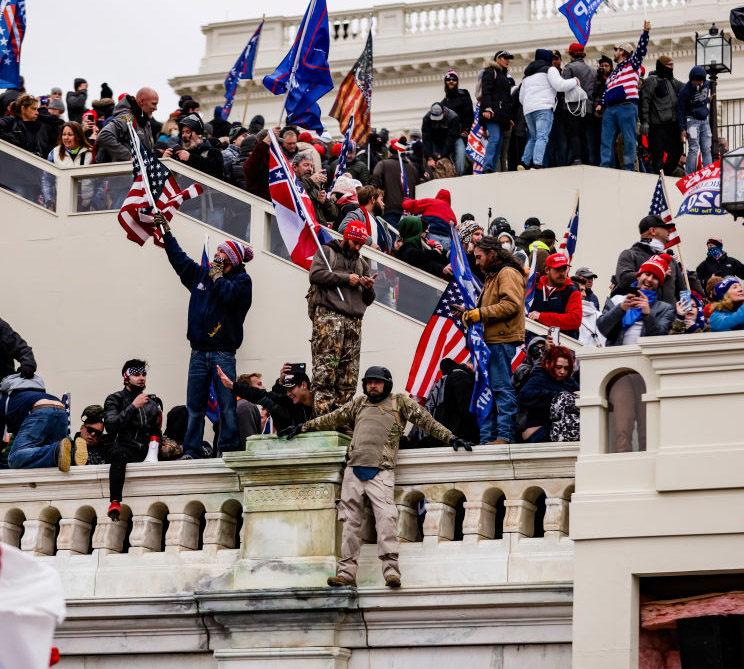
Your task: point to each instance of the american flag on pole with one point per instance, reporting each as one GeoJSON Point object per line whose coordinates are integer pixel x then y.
{"type": "Point", "coordinates": [12, 31]}
{"type": "Point", "coordinates": [475, 149]}
{"type": "Point", "coordinates": [294, 211]}
{"type": "Point", "coordinates": [568, 245]}
{"type": "Point", "coordinates": [443, 337]}
{"type": "Point", "coordinates": [341, 164]}
{"type": "Point", "coordinates": [156, 182]}
{"type": "Point", "coordinates": [354, 99]}
{"type": "Point", "coordinates": [660, 207]}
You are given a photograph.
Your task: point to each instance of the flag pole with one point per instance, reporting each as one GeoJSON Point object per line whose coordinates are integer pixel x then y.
{"type": "Point", "coordinates": [138, 157]}
{"type": "Point", "coordinates": [290, 86]}
{"type": "Point", "coordinates": [679, 246]}
{"type": "Point", "coordinates": [249, 83]}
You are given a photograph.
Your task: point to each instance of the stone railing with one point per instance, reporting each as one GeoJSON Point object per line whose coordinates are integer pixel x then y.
{"type": "Point", "coordinates": [267, 518]}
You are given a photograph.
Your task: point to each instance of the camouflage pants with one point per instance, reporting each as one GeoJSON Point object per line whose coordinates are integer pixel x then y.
{"type": "Point", "coordinates": [335, 345]}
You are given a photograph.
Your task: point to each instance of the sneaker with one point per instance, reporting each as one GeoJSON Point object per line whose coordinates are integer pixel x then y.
{"type": "Point", "coordinates": [114, 511]}
{"type": "Point", "coordinates": [81, 452]}
{"type": "Point", "coordinates": [186, 456]}
{"type": "Point", "coordinates": [576, 161]}
{"type": "Point", "coordinates": [64, 454]}
{"type": "Point", "coordinates": [392, 581]}
{"type": "Point", "coordinates": [522, 167]}
{"type": "Point", "coordinates": [340, 581]}
{"type": "Point", "coordinates": [535, 166]}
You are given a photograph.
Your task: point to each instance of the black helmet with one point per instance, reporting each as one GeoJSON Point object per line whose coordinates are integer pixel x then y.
{"type": "Point", "coordinates": [379, 374]}
{"type": "Point", "coordinates": [194, 122]}
{"type": "Point", "coordinates": [499, 224]}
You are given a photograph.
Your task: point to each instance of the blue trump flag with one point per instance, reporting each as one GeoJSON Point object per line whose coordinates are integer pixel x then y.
{"type": "Point", "coordinates": [243, 69]}
{"type": "Point", "coordinates": [304, 74]}
{"type": "Point", "coordinates": [470, 287]}
{"type": "Point", "coordinates": [213, 408]}
{"type": "Point", "coordinates": [579, 14]}
{"type": "Point", "coordinates": [12, 31]}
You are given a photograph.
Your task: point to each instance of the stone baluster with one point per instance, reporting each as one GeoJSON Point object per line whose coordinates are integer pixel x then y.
{"type": "Point", "coordinates": [439, 524]}
{"type": "Point", "coordinates": [74, 536]}
{"type": "Point", "coordinates": [520, 517]}
{"type": "Point", "coordinates": [407, 522]}
{"type": "Point", "coordinates": [146, 536]}
{"type": "Point", "coordinates": [182, 534]}
{"type": "Point", "coordinates": [38, 537]}
{"type": "Point", "coordinates": [479, 521]}
{"type": "Point", "coordinates": [219, 530]}
{"type": "Point", "coordinates": [108, 536]}
{"type": "Point", "coordinates": [10, 533]}
{"type": "Point", "coordinates": [556, 517]}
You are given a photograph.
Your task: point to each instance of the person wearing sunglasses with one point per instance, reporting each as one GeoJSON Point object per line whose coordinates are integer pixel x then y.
{"type": "Point", "coordinates": [92, 432]}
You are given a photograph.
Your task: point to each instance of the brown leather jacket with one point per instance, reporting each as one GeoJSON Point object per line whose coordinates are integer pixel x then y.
{"type": "Point", "coordinates": [501, 305]}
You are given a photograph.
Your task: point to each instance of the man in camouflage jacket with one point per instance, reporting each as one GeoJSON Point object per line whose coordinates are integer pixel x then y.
{"type": "Point", "coordinates": [379, 419]}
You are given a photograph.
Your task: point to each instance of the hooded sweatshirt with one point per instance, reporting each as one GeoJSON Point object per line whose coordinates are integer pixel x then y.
{"type": "Point", "coordinates": [659, 96]}
{"type": "Point", "coordinates": [516, 252]}
{"type": "Point", "coordinates": [693, 101]}
{"type": "Point", "coordinates": [541, 83]}
{"type": "Point", "coordinates": [435, 212]}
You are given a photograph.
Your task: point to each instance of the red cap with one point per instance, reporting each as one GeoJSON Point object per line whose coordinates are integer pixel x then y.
{"type": "Point", "coordinates": [556, 260]}
{"type": "Point", "coordinates": [356, 231]}
{"type": "Point", "coordinates": [336, 150]}
{"type": "Point", "coordinates": [656, 265]}
{"type": "Point", "coordinates": [305, 136]}
{"type": "Point", "coordinates": [575, 48]}
{"type": "Point", "coordinates": [319, 148]}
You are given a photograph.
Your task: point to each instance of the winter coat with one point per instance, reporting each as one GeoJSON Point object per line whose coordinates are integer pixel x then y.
{"type": "Point", "coordinates": [324, 282]}
{"type": "Point", "coordinates": [586, 75]}
{"type": "Point", "coordinates": [656, 323]}
{"type": "Point", "coordinates": [693, 102]}
{"type": "Point", "coordinates": [113, 141]}
{"type": "Point", "coordinates": [216, 309]}
{"type": "Point", "coordinates": [589, 333]}
{"type": "Point", "coordinates": [324, 211]}
{"type": "Point", "coordinates": [283, 411]}
{"type": "Point", "coordinates": [82, 157]}
{"type": "Point", "coordinates": [501, 305]}
{"type": "Point", "coordinates": [23, 134]}
{"type": "Point", "coordinates": [356, 168]}
{"type": "Point", "coordinates": [127, 424]}
{"type": "Point", "coordinates": [630, 261]}
{"type": "Point", "coordinates": [537, 394]}
{"type": "Point", "coordinates": [724, 317]}
{"type": "Point", "coordinates": [386, 176]}
{"type": "Point", "coordinates": [723, 266]}
{"type": "Point", "coordinates": [49, 127]}
{"type": "Point", "coordinates": [440, 134]}
{"type": "Point", "coordinates": [496, 94]}
{"type": "Point", "coordinates": [561, 309]}
{"type": "Point", "coordinates": [539, 87]}
{"type": "Point", "coordinates": [205, 158]}
{"type": "Point", "coordinates": [13, 347]}
{"type": "Point", "coordinates": [659, 99]}
{"type": "Point", "coordinates": [426, 259]}
{"type": "Point", "coordinates": [76, 105]}
{"type": "Point", "coordinates": [435, 212]}
{"type": "Point", "coordinates": [462, 104]}
{"type": "Point", "coordinates": [256, 171]}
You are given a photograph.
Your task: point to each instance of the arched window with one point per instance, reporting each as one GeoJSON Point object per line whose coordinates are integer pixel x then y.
{"type": "Point", "coordinates": [626, 413]}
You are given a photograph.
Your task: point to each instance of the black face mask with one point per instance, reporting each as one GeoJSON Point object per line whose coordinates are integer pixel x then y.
{"type": "Point", "coordinates": [134, 390]}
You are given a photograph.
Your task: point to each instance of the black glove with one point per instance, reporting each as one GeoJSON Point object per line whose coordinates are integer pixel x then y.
{"type": "Point", "coordinates": [161, 222]}
{"type": "Point", "coordinates": [291, 432]}
{"type": "Point", "coordinates": [26, 371]}
{"type": "Point", "coordinates": [457, 442]}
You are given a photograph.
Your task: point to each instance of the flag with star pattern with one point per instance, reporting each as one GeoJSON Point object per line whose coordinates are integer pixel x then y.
{"type": "Point", "coordinates": [660, 207]}
{"type": "Point", "coordinates": [568, 245]}
{"type": "Point", "coordinates": [136, 214]}
{"type": "Point", "coordinates": [354, 97]}
{"type": "Point", "coordinates": [12, 31]}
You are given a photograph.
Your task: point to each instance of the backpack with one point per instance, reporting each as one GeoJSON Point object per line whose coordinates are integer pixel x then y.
{"type": "Point", "coordinates": [564, 418]}
{"type": "Point", "coordinates": [578, 98]}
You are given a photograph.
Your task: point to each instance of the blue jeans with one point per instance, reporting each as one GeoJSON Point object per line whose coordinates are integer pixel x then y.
{"type": "Point", "coordinates": [392, 219]}
{"type": "Point", "coordinates": [619, 120]}
{"type": "Point", "coordinates": [539, 124]}
{"type": "Point", "coordinates": [445, 241]}
{"type": "Point", "coordinates": [500, 424]}
{"type": "Point", "coordinates": [202, 372]}
{"type": "Point", "coordinates": [493, 148]}
{"type": "Point", "coordinates": [699, 138]}
{"type": "Point", "coordinates": [37, 439]}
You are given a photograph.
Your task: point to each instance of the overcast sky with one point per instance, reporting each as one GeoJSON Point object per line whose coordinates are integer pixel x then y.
{"type": "Point", "coordinates": [110, 41]}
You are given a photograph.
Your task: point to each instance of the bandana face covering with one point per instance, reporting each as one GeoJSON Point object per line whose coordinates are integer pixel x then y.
{"type": "Point", "coordinates": [715, 252]}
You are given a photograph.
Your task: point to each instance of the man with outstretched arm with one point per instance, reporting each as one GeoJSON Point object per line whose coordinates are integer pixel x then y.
{"type": "Point", "coordinates": [379, 419]}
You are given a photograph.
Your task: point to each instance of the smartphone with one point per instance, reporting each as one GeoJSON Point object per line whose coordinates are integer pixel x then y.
{"type": "Point", "coordinates": [634, 290]}
{"type": "Point", "coordinates": [297, 368]}
{"type": "Point", "coordinates": [685, 300]}
{"type": "Point", "coordinates": [555, 334]}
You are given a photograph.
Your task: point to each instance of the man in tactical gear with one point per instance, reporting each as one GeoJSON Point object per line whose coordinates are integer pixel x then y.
{"type": "Point", "coordinates": [379, 419]}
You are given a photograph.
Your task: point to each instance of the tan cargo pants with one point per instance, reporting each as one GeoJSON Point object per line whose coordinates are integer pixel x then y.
{"type": "Point", "coordinates": [379, 491]}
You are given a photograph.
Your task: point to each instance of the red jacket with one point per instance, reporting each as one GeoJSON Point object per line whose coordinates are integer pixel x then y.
{"type": "Point", "coordinates": [438, 206]}
{"type": "Point", "coordinates": [572, 314]}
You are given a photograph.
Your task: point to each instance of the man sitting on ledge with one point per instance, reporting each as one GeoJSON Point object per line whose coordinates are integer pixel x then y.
{"type": "Point", "coordinates": [379, 420]}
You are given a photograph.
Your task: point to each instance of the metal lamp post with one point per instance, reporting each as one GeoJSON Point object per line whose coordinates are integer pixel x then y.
{"type": "Point", "coordinates": [713, 53]}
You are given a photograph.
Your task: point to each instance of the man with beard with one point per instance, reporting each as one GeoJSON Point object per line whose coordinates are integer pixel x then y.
{"type": "Point", "coordinates": [337, 323]}
{"type": "Point", "coordinates": [131, 417]}
{"type": "Point", "coordinates": [112, 143]}
{"type": "Point", "coordinates": [557, 300]}
{"type": "Point", "coordinates": [379, 420]}
{"type": "Point", "coordinates": [370, 205]}
{"type": "Point", "coordinates": [195, 152]}
{"type": "Point", "coordinates": [459, 101]}
{"type": "Point", "coordinates": [312, 182]}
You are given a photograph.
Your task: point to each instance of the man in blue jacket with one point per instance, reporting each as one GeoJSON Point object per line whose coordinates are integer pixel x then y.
{"type": "Point", "coordinates": [693, 110]}
{"type": "Point", "coordinates": [220, 298]}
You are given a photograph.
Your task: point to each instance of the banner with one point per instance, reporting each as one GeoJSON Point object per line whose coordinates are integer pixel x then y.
{"type": "Point", "coordinates": [702, 191]}
{"type": "Point", "coordinates": [579, 14]}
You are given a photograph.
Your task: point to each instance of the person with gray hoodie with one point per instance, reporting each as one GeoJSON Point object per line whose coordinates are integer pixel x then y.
{"type": "Point", "coordinates": [576, 123]}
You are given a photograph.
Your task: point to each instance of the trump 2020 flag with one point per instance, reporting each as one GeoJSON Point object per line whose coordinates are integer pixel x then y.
{"type": "Point", "coordinates": [213, 408]}
{"type": "Point", "coordinates": [12, 30]}
{"type": "Point", "coordinates": [477, 142]}
{"type": "Point", "coordinates": [243, 69]}
{"type": "Point", "coordinates": [579, 14]}
{"type": "Point", "coordinates": [702, 191]}
{"type": "Point", "coordinates": [304, 74]}
{"type": "Point", "coordinates": [294, 211]}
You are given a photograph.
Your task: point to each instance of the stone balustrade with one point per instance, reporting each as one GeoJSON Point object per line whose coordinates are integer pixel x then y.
{"type": "Point", "coordinates": [266, 517]}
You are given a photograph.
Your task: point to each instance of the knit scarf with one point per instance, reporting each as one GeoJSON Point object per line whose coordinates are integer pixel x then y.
{"type": "Point", "coordinates": [632, 315]}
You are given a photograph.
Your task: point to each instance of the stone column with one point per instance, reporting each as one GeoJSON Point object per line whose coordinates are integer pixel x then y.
{"type": "Point", "coordinates": [74, 536]}
{"type": "Point", "coordinates": [407, 523]}
{"type": "Point", "coordinates": [520, 517]}
{"type": "Point", "coordinates": [146, 536]}
{"type": "Point", "coordinates": [219, 531]}
{"type": "Point", "coordinates": [10, 533]}
{"type": "Point", "coordinates": [182, 534]}
{"type": "Point", "coordinates": [108, 535]}
{"type": "Point", "coordinates": [556, 517]}
{"type": "Point", "coordinates": [38, 537]}
{"type": "Point", "coordinates": [479, 521]}
{"type": "Point", "coordinates": [439, 523]}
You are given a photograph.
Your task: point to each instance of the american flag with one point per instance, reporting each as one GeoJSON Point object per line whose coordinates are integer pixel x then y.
{"type": "Point", "coordinates": [477, 142]}
{"type": "Point", "coordinates": [136, 214]}
{"type": "Point", "coordinates": [660, 207]}
{"type": "Point", "coordinates": [341, 164]}
{"type": "Point", "coordinates": [354, 97]}
{"type": "Point", "coordinates": [12, 31]}
{"type": "Point", "coordinates": [444, 337]}
{"type": "Point", "coordinates": [568, 245]}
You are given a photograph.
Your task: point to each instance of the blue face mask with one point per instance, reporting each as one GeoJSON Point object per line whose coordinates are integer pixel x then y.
{"type": "Point", "coordinates": [715, 252]}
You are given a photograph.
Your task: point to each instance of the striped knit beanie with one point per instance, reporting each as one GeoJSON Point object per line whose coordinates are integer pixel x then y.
{"type": "Point", "coordinates": [236, 252]}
